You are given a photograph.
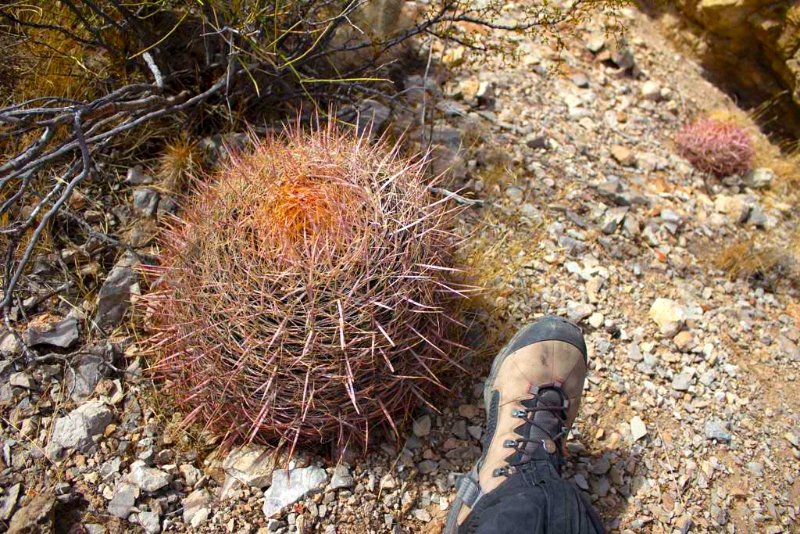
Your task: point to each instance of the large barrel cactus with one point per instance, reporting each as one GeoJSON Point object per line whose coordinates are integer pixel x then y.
{"type": "Point", "coordinates": [304, 291]}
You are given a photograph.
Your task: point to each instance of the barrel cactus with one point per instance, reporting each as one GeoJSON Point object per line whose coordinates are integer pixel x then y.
{"type": "Point", "coordinates": [718, 147]}
{"type": "Point", "coordinates": [303, 295]}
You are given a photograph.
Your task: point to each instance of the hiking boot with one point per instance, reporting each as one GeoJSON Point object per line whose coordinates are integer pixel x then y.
{"type": "Point", "coordinates": [532, 396]}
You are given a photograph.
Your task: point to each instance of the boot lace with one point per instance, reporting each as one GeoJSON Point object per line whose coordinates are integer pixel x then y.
{"type": "Point", "coordinates": [545, 433]}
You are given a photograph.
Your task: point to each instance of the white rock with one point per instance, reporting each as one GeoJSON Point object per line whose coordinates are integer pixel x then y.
{"type": "Point", "coordinates": [199, 517]}
{"type": "Point", "coordinates": [514, 194]}
{"type": "Point", "coordinates": [8, 502]}
{"type": "Point", "coordinates": [10, 345]}
{"type": "Point", "coordinates": [578, 311]}
{"type": "Point", "coordinates": [760, 178]}
{"type": "Point", "coordinates": [638, 428]}
{"type": "Point", "coordinates": [668, 315]}
{"type": "Point", "coordinates": [596, 42]}
{"type": "Point", "coordinates": [252, 465]}
{"type": "Point", "coordinates": [78, 428]}
{"type": "Point", "coordinates": [682, 381]}
{"type": "Point", "coordinates": [195, 507]}
{"type": "Point", "coordinates": [150, 522]}
{"type": "Point", "coordinates": [342, 477]}
{"type": "Point", "coordinates": [191, 474]}
{"type": "Point", "coordinates": [651, 90]}
{"type": "Point", "coordinates": [232, 488]}
{"type": "Point", "coordinates": [123, 500]}
{"type": "Point", "coordinates": [147, 478]}
{"type": "Point", "coordinates": [290, 486]}
{"type": "Point", "coordinates": [20, 380]}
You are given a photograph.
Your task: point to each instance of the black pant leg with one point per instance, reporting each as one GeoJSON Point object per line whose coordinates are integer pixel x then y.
{"type": "Point", "coordinates": [535, 500]}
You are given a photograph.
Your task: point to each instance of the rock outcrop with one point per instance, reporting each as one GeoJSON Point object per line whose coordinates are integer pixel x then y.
{"type": "Point", "coordinates": [751, 46]}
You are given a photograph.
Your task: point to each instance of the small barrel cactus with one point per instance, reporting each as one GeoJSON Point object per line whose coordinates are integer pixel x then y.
{"type": "Point", "coordinates": [303, 294]}
{"type": "Point", "coordinates": [717, 147]}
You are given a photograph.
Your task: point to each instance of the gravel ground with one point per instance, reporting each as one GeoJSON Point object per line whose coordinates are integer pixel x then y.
{"type": "Point", "coordinates": [577, 205]}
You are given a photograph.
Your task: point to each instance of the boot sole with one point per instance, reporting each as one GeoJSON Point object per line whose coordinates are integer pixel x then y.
{"type": "Point", "coordinates": [548, 328]}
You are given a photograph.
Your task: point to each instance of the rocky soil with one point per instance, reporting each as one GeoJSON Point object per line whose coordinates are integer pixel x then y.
{"type": "Point", "coordinates": [575, 204]}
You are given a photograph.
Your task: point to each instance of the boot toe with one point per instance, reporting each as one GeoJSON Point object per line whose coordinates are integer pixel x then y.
{"type": "Point", "coordinates": [549, 328]}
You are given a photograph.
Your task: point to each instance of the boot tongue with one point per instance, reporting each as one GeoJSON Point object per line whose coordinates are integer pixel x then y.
{"type": "Point", "coordinates": [549, 421]}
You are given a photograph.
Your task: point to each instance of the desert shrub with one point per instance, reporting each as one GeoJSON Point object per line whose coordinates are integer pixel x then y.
{"type": "Point", "coordinates": [101, 84]}
{"type": "Point", "coordinates": [305, 291]}
{"type": "Point", "coordinates": [717, 147]}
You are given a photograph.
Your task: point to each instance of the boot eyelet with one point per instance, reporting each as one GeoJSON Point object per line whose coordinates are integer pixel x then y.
{"type": "Point", "coordinates": [510, 443]}
{"type": "Point", "coordinates": [521, 414]}
{"type": "Point", "coordinates": [500, 471]}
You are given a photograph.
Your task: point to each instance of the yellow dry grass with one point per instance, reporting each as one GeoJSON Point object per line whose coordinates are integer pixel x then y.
{"type": "Point", "coordinates": [44, 62]}
{"type": "Point", "coordinates": [744, 258]}
{"type": "Point", "coordinates": [51, 64]}
{"type": "Point", "coordinates": [771, 258]}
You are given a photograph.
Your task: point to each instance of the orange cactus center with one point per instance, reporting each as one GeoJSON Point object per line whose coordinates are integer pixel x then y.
{"type": "Point", "coordinates": [310, 208]}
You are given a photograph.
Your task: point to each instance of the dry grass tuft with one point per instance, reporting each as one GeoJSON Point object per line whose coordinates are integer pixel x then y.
{"type": "Point", "coordinates": [745, 259]}
{"type": "Point", "coordinates": [305, 292]}
{"type": "Point", "coordinates": [762, 260]}
{"type": "Point", "coordinates": [721, 148]}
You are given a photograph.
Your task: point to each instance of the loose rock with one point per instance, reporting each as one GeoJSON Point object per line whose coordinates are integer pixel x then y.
{"type": "Point", "coordinates": [145, 201]}
{"type": "Point", "coordinates": [62, 334]}
{"type": "Point", "coordinates": [195, 508]}
{"type": "Point", "coordinates": [10, 345]}
{"type": "Point", "coordinates": [341, 477]}
{"type": "Point", "coordinates": [34, 517]}
{"type": "Point", "coordinates": [290, 486]}
{"type": "Point", "coordinates": [638, 428]}
{"type": "Point", "coordinates": [123, 500]}
{"type": "Point", "coordinates": [147, 479]}
{"type": "Point", "coordinates": [668, 315]}
{"type": "Point", "coordinates": [252, 465]}
{"type": "Point", "coordinates": [150, 522]}
{"type": "Point", "coordinates": [115, 294]}
{"type": "Point", "coordinates": [578, 311]}
{"type": "Point", "coordinates": [682, 381]}
{"type": "Point", "coordinates": [760, 178]}
{"type": "Point", "coordinates": [623, 155]}
{"type": "Point", "coordinates": [8, 502]}
{"type": "Point", "coordinates": [684, 340]}
{"type": "Point", "coordinates": [422, 426]}
{"type": "Point", "coordinates": [651, 90]}
{"type": "Point", "coordinates": [717, 429]}
{"type": "Point", "coordinates": [78, 429]}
